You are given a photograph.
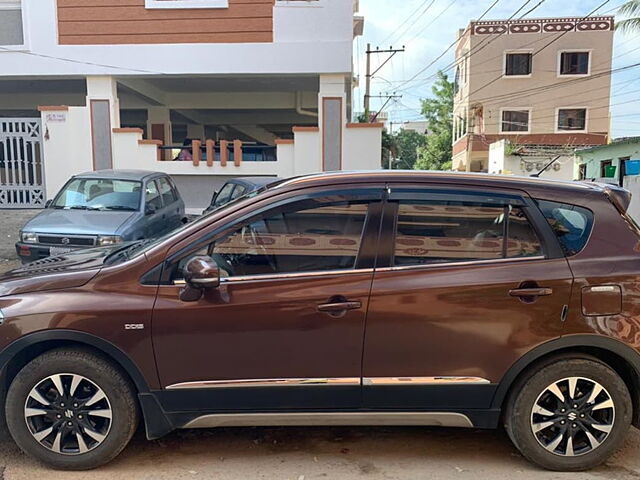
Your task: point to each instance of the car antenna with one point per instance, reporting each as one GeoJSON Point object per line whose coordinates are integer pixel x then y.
{"type": "Point", "coordinates": [544, 169]}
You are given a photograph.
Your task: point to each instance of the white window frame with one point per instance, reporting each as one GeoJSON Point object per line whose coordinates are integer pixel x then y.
{"type": "Point", "coordinates": [159, 4]}
{"type": "Point", "coordinates": [18, 5]}
{"type": "Point", "coordinates": [586, 119]}
{"type": "Point", "coordinates": [504, 63]}
{"type": "Point", "coordinates": [574, 75]}
{"type": "Point", "coordinates": [516, 109]}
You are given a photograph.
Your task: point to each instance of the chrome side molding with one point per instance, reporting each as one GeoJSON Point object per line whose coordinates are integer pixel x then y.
{"type": "Point", "coordinates": [338, 381]}
{"type": "Point", "coordinates": [427, 419]}
{"type": "Point", "coordinates": [413, 381]}
{"type": "Point", "coordinates": [266, 382]}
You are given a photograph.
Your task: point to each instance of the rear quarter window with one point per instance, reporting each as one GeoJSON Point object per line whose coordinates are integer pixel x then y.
{"type": "Point", "coordinates": [571, 224]}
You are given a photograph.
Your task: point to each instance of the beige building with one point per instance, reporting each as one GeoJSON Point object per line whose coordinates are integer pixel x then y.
{"type": "Point", "coordinates": [535, 82]}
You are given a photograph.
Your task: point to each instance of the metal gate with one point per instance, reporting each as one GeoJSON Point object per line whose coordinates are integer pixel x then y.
{"type": "Point", "coordinates": [21, 163]}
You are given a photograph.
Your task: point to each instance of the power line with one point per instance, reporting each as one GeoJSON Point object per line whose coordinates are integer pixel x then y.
{"type": "Point", "coordinates": [433, 20]}
{"type": "Point", "coordinates": [418, 17]}
{"type": "Point", "coordinates": [447, 49]}
{"type": "Point", "coordinates": [543, 47]}
{"type": "Point", "coordinates": [403, 22]}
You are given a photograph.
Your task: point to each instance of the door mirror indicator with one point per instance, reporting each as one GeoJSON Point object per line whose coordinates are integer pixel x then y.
{"type": "Point", "coordinates": [200, 273]}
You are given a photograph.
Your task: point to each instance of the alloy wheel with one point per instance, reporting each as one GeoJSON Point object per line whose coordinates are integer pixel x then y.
{"type": "Point", "coordinates": [572, 416]}
{"type": "Point", "coordinates": [68, 414]}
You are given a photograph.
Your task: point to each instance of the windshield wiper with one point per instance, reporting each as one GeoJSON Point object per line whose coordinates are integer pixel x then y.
{"type": "Point", "coordinates": [82, 207]}
{"type": "Point", "coordinates": [119, 207]}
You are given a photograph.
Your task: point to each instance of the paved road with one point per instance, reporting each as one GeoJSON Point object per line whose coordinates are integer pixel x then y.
{"type": "Point", "coordinates": [322, 453]}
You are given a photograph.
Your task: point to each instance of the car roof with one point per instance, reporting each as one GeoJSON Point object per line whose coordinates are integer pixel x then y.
{"type": "Point", "coordinates": [121, 174]}
{"type": "Point", "coordinates": [467, 178]}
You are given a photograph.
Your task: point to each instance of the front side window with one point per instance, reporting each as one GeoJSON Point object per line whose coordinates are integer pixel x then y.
{"type": "Point", "coordinates": [518, 64]}
{"type": "Point", "coordinates": [99, 194]}
{"type": "Point", "coordinates": [570, 223]}
{"type": "Point", "coordinates": [515, 121]}
{"type": "Point", "coordinates": [572, 119]}
{"type": "Point", "coordinates": [11, 27]}
{"type": "Point", "coordinates": [440, 231]}
{"type": "Point", "coordinates": [305, 237]}
{"type": "Point", "coordinates": [574, 63]}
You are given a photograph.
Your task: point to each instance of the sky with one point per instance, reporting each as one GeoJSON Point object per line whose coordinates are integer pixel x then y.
{"type": "Point", "coordinates": [427, 28]}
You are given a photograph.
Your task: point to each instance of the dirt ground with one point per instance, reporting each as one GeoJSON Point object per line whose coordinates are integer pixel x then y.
{"type": "Point", "coordinates": [322, 453]}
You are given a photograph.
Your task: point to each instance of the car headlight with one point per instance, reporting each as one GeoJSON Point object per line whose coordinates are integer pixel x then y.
{"type": "Point", "coordinates": [105, 240]}
{"type": "Point", "coordinates": [29, 237]}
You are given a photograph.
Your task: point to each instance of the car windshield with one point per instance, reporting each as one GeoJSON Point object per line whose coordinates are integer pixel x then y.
{"type": "Point", "coordinates": [100, 194]}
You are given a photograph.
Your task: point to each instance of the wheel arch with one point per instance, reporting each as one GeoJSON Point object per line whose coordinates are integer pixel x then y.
{"type": "Point", "coordinates": [617, 355]}
{"type": "Point", "coordinates": [21, 351]}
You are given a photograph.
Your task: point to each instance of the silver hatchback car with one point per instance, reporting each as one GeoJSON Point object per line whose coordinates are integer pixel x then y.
{"type": "Point", "coordinates": [103, 208]}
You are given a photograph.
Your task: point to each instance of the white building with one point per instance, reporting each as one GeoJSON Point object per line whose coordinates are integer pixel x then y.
{"type": "Point", "coordinates": [92, 84]}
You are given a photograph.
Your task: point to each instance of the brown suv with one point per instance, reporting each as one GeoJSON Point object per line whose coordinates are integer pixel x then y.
{"type": "Point", "coordinates": [379, 298]}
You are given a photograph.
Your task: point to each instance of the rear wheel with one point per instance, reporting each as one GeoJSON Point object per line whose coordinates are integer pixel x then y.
{"type": "Point", "coordinates": [569, 414]}
{"type": "Point", "coordinates": [71, 410]}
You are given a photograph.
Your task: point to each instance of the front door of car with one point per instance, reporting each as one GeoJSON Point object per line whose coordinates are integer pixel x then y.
{"type": "Point", "coordinates": [467, 282]}
{"type": "Point", "coordinates": [284, 329]}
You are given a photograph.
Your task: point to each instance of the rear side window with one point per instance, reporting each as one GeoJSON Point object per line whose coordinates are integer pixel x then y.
{"type": "Point", "coordinates": [571, 224]}
{"type": "Point", "coordinates": [224, 195]}
{"type": "Point", "coordinates": [434, 231]}
{"type": "Point", "coordinates": [166, 191]}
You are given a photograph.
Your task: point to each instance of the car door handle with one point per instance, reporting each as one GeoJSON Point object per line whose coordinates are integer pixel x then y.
{"type": "Point", "coordinates": [339, 307]}
{"type": "Point", "coordinates": [531, 292]}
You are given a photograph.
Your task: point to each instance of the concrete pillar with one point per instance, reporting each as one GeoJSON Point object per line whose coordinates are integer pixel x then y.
{"type": "Point", "coordinates": [332, 109]}
{"type": "Point", "coordinates": [104, 115]}
{"type": "Point", "coordinates": [159, 127]}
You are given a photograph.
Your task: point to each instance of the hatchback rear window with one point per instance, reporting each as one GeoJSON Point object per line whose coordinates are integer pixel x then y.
{"type": "Point", "coordinates": [571, 224]}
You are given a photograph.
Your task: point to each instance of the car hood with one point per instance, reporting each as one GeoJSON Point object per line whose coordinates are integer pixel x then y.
{"type": "Point", "coordinates": [54, 273]}
{"type": "Point", "coordinates": [79, 222]}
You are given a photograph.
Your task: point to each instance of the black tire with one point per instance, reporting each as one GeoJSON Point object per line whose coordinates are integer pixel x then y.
{"type": "Point", "coordinates": [529, 391]}
{"type": "Point", "coordinates": [97, 372]}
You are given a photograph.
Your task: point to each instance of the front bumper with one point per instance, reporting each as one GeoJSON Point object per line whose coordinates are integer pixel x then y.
{"type": "Point", "coordinates": [30, 252]}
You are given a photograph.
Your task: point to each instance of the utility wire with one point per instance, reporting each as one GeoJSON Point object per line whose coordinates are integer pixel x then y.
{"type": "Point", "coordinates": [392, 34]}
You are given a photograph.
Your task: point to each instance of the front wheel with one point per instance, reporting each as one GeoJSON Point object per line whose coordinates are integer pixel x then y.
{"type": "Point", "coordinates": [71, 410]}
{"type": "Point", "coordinates": [570, 414]}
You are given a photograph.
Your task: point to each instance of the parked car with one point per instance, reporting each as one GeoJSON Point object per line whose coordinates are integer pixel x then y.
{"type": "Point", "coordinates": [101, 208]}
{"type": "Point", "coordinates": [236, 188]}
{"type": "Point", "coordinates": [385, 298]}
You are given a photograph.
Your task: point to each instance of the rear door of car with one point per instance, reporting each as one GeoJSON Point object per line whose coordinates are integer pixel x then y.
{"type": "Point", "coordinates": [171, 211]}
{"type": "Point", "coordinates": [467, 281]}
{"type": "Point", "coordinates": [153, 209]}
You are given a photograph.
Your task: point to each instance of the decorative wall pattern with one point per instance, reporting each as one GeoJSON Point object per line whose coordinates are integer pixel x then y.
{"type": "Point", "coordinates": [547, 25]}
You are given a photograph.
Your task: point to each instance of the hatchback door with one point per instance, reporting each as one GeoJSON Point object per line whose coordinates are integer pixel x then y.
{"type": "Point", "coordinates": [467, 282]}
{"type": "Point", "coordinates": [285, 328]}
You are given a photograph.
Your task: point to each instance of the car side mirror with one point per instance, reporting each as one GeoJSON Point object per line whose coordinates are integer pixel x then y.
{"type": "Point", "coordinates": [200, 273]}
{"type": "Point", "coordinates": [48, 203]}
{"type": "Point", "coordinates": [149, 209]}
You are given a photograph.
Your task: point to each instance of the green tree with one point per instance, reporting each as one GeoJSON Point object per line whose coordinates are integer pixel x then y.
{"type": "Point", "coordinates": [408, 142]}
{"type": "Point", "coordinates": [631, 9]}
{"type": "Point", "coordinates": [437, 153]}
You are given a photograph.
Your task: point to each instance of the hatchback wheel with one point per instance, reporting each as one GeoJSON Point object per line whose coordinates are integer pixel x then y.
{"type": "Point", "coordinates": [570, 414]}
{"type": "Point", "coordinates": [71, 410]}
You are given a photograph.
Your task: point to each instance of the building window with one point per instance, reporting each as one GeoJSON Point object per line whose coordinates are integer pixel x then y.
{"type": "Point", "coordinates": [574, 63]}
{"type": "Point", "coordinates": [604, 164]}
{"type": "Point", "coordinates": [11, 27]}
{"type": "Point", "coordinates": [186, 3]}
{"type": "Point", "coordinates": [572, 119]}
{"type": "Point", "coordinates": [518, 64]}
{"type": "Point", "coordinates": [582, 174]}
{"type": "Point", "coordinates": [515, 121]}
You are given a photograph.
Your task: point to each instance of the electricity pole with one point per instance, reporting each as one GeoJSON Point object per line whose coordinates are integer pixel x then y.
{"type": "Point", "coordinates": [370, 75]}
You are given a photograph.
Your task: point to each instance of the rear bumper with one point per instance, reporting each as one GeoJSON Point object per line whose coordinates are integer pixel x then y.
{"type": "Point", "coordinates": [30, 252]}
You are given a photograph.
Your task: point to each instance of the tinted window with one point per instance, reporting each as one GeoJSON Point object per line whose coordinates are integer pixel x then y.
{"type": "Point", "coordinates": [166, 192]}
{"type": "Point", "coordinates": [238, 192]}
{"type": "Point", "coordinates": [451, 231]}
{"type": "Point", "coordinates": [308, 238]}
{"type": "Point", "coordinates": [224, 195]}
{"type": "Point", "coordinates": [574, 63]}
{"type": "Point", "coordinates": [571, 224]}
{"type": "Point", "coordinates": [152, 196]}
{"type": "Point", "coordinates": [518, 64]}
